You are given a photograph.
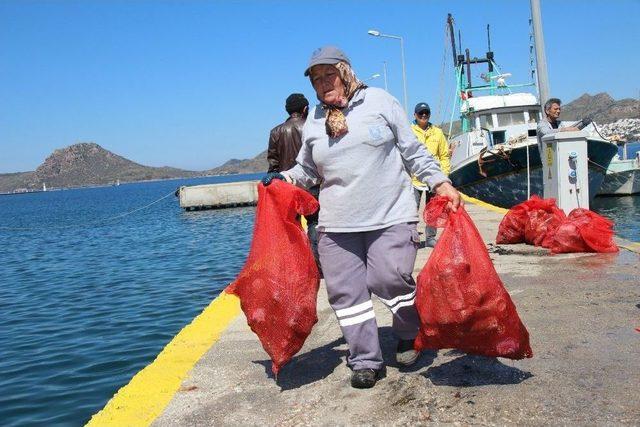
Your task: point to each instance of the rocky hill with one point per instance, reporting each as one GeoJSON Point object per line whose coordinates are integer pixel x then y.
{"type": "Point", "coordinates": [602, 108]}
{"type": "Point", "coordinates": [86, 164]}
{"type": "Point", "coordinates": [257, 164]}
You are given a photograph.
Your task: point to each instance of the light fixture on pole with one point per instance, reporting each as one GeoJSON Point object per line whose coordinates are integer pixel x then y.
{"type": "Point", "coordinates": [371, 77]}
{"type": "Point", "coordinates": [377, 33]}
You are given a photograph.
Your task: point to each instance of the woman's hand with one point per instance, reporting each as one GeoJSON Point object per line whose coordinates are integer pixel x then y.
{"type": "Point", "coordinates": [445, 189]}
{"type": "Point", "coordinates": [266, 180]}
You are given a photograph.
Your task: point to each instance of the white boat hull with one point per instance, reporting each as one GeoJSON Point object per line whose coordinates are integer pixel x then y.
{"type": "Point", "coordinates": [621, 183]}
{"type": "Point", "coordinates": [502, 180]}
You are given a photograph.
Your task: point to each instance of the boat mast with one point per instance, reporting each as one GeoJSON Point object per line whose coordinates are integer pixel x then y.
{"type": "Point", "coordinates": [541, 59]}
{"type": "Point", "coordinates": [457, 60]}
{"type": "Point", "coordinates": [489, 51]}
{"type": "Point", "coordinates": [453, 39]}
{"type": "Point", "coordinates": [468, 62]}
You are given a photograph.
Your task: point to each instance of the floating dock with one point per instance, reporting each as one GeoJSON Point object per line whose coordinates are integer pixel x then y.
{"type": "Point", "coordinates": [218, 196]}
{"type": "Point", "coordinates": [580, 309]}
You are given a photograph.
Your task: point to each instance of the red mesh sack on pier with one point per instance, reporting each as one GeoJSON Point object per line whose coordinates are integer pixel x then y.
{"type": "Point", "coordinates": [278, 285]}
{"type": "Point", "coordinates": [532, 221]}
{"type": "Point", "coordinates": [584, 231]}
{"type": "Point", "coordinates": [460, 298]}
{"type": "Point", "coordinates": [542, 224]}
{"type": "Point", "coordinates": [511, 229]}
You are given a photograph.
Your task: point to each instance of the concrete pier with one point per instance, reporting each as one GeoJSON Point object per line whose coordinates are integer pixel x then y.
{"type": "Point", "coordinates": [581, 310]}
{"type": "Point", "coordinates": [216, 196]}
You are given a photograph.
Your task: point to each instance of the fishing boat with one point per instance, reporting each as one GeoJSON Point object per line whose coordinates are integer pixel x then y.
{"type": "Point", "coordinates": [495, 157]}
{"type": "Point", "coordinates": [622, 177]}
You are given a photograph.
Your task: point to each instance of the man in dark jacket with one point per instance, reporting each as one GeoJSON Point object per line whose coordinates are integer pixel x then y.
{"type": "Point", "coordinates": [285, 141]}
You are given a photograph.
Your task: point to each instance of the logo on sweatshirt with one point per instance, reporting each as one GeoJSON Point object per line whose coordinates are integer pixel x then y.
{"type": "Point", "coordinates": [375, 133]}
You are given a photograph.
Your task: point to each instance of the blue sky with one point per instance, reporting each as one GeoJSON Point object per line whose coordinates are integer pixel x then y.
{"type": "Point", "coordinates": [192, 84]}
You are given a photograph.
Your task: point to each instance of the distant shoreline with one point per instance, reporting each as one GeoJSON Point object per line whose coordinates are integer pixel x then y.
{"type": "Point", "coordinates": [80, 187]}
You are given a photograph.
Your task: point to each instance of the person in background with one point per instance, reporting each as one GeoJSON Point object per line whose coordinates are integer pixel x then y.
{"type": "Point", "coordinates": [285, 141]}
{"type": "Point", "coordinates": [433, 139]}
{"type": "Point", "coordinates": [359, 146]}
{"type": "Point", "coordinates": [550, 125]}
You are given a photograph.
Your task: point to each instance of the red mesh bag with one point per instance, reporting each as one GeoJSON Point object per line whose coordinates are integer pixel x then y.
{"type": "Point", "coordinates": [542, 224]}
{"type": "Point", "coordinates": [517, 227]}
{"type": "Point", "coordinates": [511, 229]}
{"type": "Point", "coordinates": [460, 298]}
{"type": "Point", "coordinates": [584, 231]}
{"type": "Point", "coordinates": [278, 285]}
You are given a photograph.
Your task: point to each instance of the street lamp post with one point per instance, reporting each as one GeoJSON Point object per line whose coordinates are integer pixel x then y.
{"type": "Point", "coordinates": [377, 33]}
{"type": "Point", "coordinates": [384, 65]}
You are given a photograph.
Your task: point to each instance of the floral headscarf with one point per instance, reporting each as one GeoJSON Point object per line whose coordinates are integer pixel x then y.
{"type": "Point", "coordinates": [336, 122]}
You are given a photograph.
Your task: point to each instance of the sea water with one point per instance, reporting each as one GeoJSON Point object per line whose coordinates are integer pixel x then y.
{"type": "Point", "coordinates": [87, 300]}
{"type": "Point", "coordinates": [89, 297]}
{"type": "Point", "coordinates": [624, 211]}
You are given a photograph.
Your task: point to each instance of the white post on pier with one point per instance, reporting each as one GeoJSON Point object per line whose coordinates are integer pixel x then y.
{"type": "Point", "coordinates": [541, 57]}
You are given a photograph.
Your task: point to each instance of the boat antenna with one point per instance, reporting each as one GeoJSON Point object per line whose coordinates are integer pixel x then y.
{"type": "Point", "coordinates": [468, 61]}
{"type": "Point", "coordinates": [461, 56]}
{"type": "Point", "coordinates": [489, 53]}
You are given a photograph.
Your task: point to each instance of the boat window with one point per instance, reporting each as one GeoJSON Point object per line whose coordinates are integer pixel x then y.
{"type": "Point", "coordinates": [486, 121]}
{"type": "Point", "coordinates": [498, 137]}
{"type": "Point", "coordinates": [533, 116]}
{"type": "Point", "coordinates": [506, 119]}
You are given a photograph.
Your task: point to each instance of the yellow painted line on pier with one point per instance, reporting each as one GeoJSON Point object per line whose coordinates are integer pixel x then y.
{"type": "Point", "coordinates": [631, 246]}
{"type": "Point", "coordinates": [484, 204]}
{"type": "Point", "coordinates": [150, 390]}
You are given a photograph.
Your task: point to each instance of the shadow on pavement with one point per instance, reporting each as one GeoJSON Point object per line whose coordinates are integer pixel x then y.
{"type": "Point", "coordinates": [389, 342]}
{"type": "Point", "coordinates": [471, 370]}
{"type": "Point", "coordinates": [308, 367]}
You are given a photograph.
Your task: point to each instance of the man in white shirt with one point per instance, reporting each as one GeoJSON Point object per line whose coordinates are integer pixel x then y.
{"type": "Point", "coordinates": [550, 124]}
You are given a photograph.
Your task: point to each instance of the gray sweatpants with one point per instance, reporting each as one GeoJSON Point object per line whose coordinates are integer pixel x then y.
{"type": "Point", "coordinates": [429, 232]}
{"type": "Point", "coordinates": [355, 265]}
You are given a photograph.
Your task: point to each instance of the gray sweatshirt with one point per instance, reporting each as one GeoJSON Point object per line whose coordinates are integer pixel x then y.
{"type": "Point", "coordinates": [365, 175]}
{"type": "Point", "coordinates": [545, 128]}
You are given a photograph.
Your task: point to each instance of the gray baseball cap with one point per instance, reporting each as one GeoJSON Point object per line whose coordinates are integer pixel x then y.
{"type": "Point", "coordinates": [326, 55]}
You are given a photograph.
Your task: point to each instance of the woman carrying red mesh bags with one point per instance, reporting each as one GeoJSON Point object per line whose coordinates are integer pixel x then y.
{"type": "Point", "coordinates": [358, 145]}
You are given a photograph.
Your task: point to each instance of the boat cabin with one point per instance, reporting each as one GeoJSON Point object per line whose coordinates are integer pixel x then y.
{"type": "Point", "coordinates": [503, 116]}
{"type": "Point", "coordinates": [494, 119]}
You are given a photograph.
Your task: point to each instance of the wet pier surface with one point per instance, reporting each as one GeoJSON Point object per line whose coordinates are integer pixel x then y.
{"type": "Point", "coordinates": [581, 310]}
